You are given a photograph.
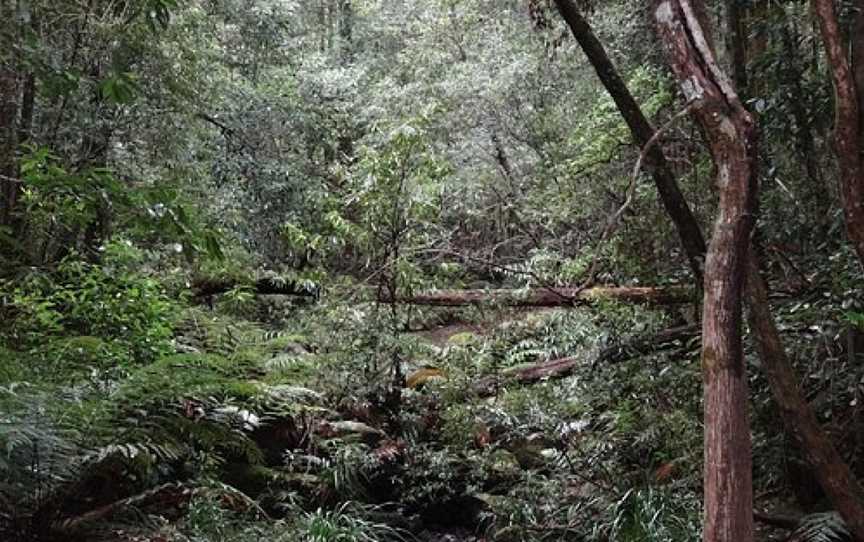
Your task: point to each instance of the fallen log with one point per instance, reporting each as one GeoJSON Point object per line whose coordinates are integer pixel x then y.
{"type": "Point", "coordinates": [263, 286]}
{"type": "Point", "coordinates": [561, 368]}
{"type": "Point", "coordinates": [165, 496]}
{"type": "Point", "coordinates": [549, 297]}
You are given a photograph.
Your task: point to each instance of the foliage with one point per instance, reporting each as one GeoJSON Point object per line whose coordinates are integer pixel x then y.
{"type": "Point", "coordinates": [86, 316]}
{"type": "Point", "coordinates": [379, 149]}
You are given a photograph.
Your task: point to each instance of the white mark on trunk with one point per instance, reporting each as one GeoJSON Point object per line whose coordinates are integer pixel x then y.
{"type": "Point", "coordinates": [723, 175]}
{"type": "Point", "coordinates": [692, 89]}
{"type": "Point", "coordinates": [728, 129]}
{"type": "Point", "coordinates": [663, 14]}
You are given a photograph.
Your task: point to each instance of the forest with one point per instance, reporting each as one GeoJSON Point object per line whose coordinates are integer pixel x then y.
{"type": "Point", "coordinates": [431, 270]}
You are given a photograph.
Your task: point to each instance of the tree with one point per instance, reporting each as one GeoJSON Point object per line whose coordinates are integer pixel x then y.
{"type": "Point", "coordinates": [731, 135]}
{"type": "Point", "coordinates": [848, 143]}
{"type": "Point", "coordinates": [9, 94]}
{"type": "Point", "coordinates": [643, 133]}
{"type": "Point", "coordinates": [833, 473]}
{"type": "Point", "coordinates": [857, 36]}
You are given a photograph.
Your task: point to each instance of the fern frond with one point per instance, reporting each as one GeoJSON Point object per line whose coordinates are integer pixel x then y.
{"type": "Point", "coordinates": [822, 527]}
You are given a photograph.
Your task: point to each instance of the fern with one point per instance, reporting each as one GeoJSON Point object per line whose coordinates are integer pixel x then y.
{"type": "Point", "coordinates": [822, 527]}
{"type": "Point", "coordinates": [37, 456]}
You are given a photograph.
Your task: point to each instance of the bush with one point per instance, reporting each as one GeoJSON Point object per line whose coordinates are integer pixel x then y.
{"type": "Point", "coordinates": [84, 313]}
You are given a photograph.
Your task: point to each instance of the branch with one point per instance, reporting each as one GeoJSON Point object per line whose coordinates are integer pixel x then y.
{"type": "Point", "coordinates": [612, 225]}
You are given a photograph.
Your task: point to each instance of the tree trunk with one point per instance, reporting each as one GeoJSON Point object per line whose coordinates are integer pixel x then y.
{"type": "Point", "coordinates": [548, 297]}
{"type": "Point", "coordinates": [8, 144]}
{"type": "Point", "coordinates": [834, 475]}
{"type": "Point", "coordinates": [731, 135]}
{"type": "Point", "coordinates": [642, 131]}
{"type": "Point", "coordinates": [847, 131]}
{"type": "Point", "coordinates": [9, 94]}
{"type": "Point", "coordinates": [857, 36]}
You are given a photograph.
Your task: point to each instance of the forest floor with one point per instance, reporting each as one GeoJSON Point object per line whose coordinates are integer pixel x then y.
{"type": "Point", "coordinates": [276, 420]}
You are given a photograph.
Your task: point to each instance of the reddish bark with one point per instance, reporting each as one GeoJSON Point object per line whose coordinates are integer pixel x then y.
{"type": "Point", "coordinates": [730, 132]}
{"type": "Point", "coordinates": [847, 129]}
{"type": "Point", "coordinates": [857, 36]}
{"type": "Point", "coordinates": [834, 475]}
{"type": "Point", "coordinates": [547, 297]}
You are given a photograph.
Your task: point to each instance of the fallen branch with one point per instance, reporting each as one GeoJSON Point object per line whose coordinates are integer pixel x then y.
{"type": "Point", "coordinates": [165, 496]}
{"type": "Point", "coordinates": [543, 297]}
{"type": "Point", "coordinates": [562, 368]}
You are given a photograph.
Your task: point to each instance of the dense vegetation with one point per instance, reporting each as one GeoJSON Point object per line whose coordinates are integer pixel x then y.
{"type": "Point", "coordinates": [368, 270]}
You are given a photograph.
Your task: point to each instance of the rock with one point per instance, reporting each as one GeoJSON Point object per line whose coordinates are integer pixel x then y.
{"type": "Point", "coordinates": [420, 377]}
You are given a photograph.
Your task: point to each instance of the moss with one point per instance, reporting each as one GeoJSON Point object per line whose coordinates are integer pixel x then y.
{"type": "Point", "coordinates": [188, 374]}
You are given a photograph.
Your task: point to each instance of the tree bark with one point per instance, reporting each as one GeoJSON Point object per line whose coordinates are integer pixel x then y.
{"type": "Point", "coordinates": [9, 94]}
{"type": "Point", "coordinates": [731, 135]}
{"type": "Point", "coordinates": [547, 297]}
{"type": "Point", "coordinates": [834, 475]}
{"type": "Point", "coordinates": [857, 37]}
{"type": "Point", "coordinates": [847, 129]}
{"type": "Point", "coordinates": [8, 144]}
{"type": "Point", "coordinates": [667, 186]}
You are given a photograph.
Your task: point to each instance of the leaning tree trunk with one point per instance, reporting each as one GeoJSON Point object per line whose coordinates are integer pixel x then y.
{"type": "Point", "coordinates": [834, 475]}
{"type": "Point", "coordinates": [847, 129]}
{"type": "Point", "coordinates": [731, 135]}
{"type": "Point", "coordinates": [642, 131]}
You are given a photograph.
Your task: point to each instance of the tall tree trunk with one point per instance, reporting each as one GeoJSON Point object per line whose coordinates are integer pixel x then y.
{"type": "Point", "coordinates": [642, 131]}
{"type": "Point", "coordinates": [736, 42]}
{"type": "Point", "coordinates": [9, 94]}
{"type": "Point", "coordinates": [847, 130]}
{"type": "Point", "coordinates": [834, 475]}
{"type": "Point", "coordinates": [857, 36]}
{"type": "Point", "coordinates": [731, 135]}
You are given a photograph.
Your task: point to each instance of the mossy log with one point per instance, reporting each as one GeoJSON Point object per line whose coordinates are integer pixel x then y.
{"type": "Point", "coordinates": [550, 297]}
